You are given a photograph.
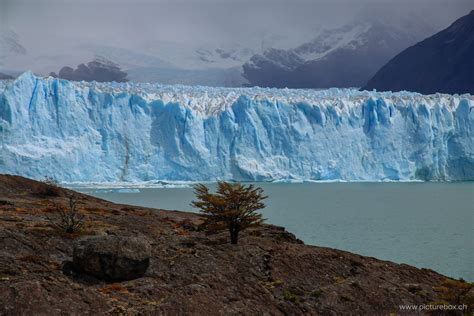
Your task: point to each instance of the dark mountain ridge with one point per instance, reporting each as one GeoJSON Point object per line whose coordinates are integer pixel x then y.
{"type": "Point", "coordinates": [441, 63]}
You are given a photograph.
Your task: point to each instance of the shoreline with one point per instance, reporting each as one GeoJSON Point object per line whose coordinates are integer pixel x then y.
{"type": "Point", "coordinates": [269, 271]}
{"type": "Point", "coordinates": [163, 184]}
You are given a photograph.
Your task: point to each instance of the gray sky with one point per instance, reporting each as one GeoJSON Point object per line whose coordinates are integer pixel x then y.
{"type": "Point", "coordinates": [54, 26]}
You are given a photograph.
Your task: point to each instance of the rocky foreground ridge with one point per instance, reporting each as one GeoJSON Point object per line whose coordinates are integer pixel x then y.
{"type": "Point", "coordinates": [191, 271]}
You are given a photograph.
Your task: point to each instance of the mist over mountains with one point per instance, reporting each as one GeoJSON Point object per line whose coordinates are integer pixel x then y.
{"type": "Point", "coordinates": [307, 45]}
{"type": "Point", "coordinates": [342, 57]}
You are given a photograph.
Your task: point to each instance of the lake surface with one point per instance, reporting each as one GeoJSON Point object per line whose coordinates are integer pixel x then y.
{"type": "Point", "coordinates": [428, 225]}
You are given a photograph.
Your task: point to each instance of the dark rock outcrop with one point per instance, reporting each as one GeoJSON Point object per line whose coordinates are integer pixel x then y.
{"type": "Point", "coordinates": [112, 258]}
{"type": "Point", "coordinates": [5, 76]}
{"type": "Point", "coordinates": [443, 63]}
{"type": "Point", "coordinates": [100, 70]}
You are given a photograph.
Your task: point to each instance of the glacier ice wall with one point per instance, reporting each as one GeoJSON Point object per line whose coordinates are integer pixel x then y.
{"type": "Point", "coordinates": [108, 132]}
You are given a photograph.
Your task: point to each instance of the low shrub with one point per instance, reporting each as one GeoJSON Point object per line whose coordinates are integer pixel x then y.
{"type": "Point", "coordinates": [291, 297]}
{"type": "Point", "coordinates": [316, 293]}
{"type": "Point", "coordinates": [69, 220]}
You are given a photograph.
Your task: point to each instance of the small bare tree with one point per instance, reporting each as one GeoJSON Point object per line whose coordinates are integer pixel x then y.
{"type": "Point", "coordinates": [50, 181]}
{"type": "Point", "coordinates": [232, 207]}
{"type": "Point", "coordinates": [69, 221]}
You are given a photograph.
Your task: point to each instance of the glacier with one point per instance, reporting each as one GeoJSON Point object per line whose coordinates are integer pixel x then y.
{"type": "Point", "coordinates": [137, 132]}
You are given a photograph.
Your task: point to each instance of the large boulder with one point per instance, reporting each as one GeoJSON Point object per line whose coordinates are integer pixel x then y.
{"type": "Point", "coordinates": [112, 258]}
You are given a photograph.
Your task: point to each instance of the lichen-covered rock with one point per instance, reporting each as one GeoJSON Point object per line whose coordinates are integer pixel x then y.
{"type": "Point", "coordinates": [112, 258]}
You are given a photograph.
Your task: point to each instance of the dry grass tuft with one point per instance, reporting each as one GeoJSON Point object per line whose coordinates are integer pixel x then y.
{"type": "Point", "coordinates": [113, 288]}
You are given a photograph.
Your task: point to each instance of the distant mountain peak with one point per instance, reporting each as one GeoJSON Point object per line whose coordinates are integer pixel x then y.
{"type": "Point", "coordinates": [346, 56]}
{"type": "Point", "coordinates": [348, 36]}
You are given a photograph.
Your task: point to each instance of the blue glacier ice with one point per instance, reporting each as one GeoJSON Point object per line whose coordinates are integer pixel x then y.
{"type": "Point", "coordinates": [130, 132]}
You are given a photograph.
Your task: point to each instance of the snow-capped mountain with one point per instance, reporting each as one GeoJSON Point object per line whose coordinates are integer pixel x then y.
{"type": "Point", "coordinates": [107, 132]}
{"type": "Point", "coordinates": [343, 57]}
{"type": "Point", "coordinates": [127, 58]}
{"type": "Point", "coordinates": [224, 58]}
{"type": "Point", "coordinates": [202, 55]}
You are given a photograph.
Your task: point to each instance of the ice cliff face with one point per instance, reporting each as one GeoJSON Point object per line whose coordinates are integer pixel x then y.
{"type": "Point", "coordinates": [76, 131]}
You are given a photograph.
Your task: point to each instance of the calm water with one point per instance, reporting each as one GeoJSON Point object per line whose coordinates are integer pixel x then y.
{"type": "Point", "coordinates": [427, 225]}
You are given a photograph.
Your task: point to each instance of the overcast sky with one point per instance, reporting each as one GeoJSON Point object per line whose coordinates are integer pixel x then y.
{"type": "Point", "coordinates": [46, 24]}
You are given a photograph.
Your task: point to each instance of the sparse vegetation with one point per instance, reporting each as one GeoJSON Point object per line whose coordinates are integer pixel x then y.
{"type": "Point", "coordinates": [316, 293]}
{"type": "Point", "coordinates": [232, 207]}
{"type": "Point", "coordinates": [273, 284]}
{"type": "Point", "coordinates": [50, 181]}
{"type": "Point", "coordinates": [113, 288]}
{"type": "Point", "coordinates": [338, 279]}
{"type": "Point", "coordinates": [291, 297]}
{"type": "Point", "coordinates": [453, 290]}
{"type": "Point", "coordinates": [421, 293]}
{"type": "Point", "coordinates": [49, 187]}
{"type": "Point", "coordinates": [70, 220]}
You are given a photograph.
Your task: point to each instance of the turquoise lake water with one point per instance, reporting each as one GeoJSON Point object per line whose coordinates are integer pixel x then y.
{"type": "Point", "coordinates": [428, 225]}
